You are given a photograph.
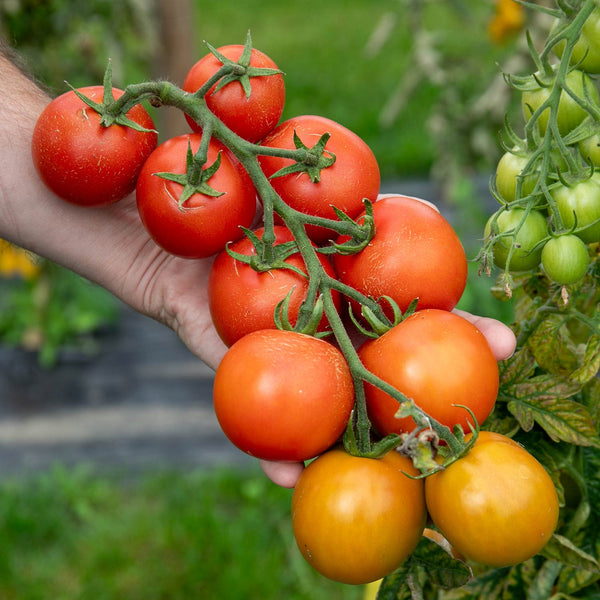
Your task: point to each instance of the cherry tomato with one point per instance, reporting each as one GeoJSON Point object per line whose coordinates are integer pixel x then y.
{"type": "Point", "coordinates": [250, 117]}
{"type": "Point", "coordinates": [242, 299]}
{"type": "Point", "coordinates": [528, 251]}
{"type": "Point", "coordinates": [509, 168]}
{"type": "Point", "coordinates": [356, 519]}
{"type": "Point", "coordinates": [203, 224]}
{"type": "Point", "coordinates": [586, 52]}
{"type": "Point", "coordinates": [84, 162]}
{"type": "Point", "coordinates": [580, 203]}
{"type": "Point", "coordinates": [415, 253]}
{"type": "Point", "coordinates": [353, 176]}
{"type": "Point", "coordinates": [565, 259]}
{"type": "Point", "coordinates": [570, 113]}
{"type": "Point", "coordinates": [589, 148]}
{"type": "Point", "coordinates": [439, 360]}
{"type": "Point", "coordinates": [497, 505]}
{"type": "Point", "coordinates": [282, 395]}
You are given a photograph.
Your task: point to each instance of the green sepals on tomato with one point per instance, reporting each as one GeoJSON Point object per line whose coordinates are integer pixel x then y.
{"type": "Point", "coordinates": [565, 259]}
{"type": "Point", "coordinates": [579, 206]}
{"type": "Point", "coordinates": [523, 232]}
{"type": "Point", "coordinates": [355, 519]}
{"type": "Point", "coordinates": [282, 395]}
{"type": "Point", "coordinates": [570, 114]}
{"type": "Point", "coordinates": [496, 505]}
{"type": "Point", "coordinates": [415, 253]}
{"type": "Point", "coordinates": [438, 359]}
{"type": "Point", "coordinates": [243, 299]}
{"type": "Point", "coordinates": [250, 103]}
{"type": "Point", "coordinates": [84, 162]}
{"type": "Point", "coordinates": [343, 183]}
{"type": "Point", "coordinates": [204, 223]}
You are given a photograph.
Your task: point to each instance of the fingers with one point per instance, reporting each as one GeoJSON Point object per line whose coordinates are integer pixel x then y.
{"type": "Point", "coordinates": [283, 474]}
{"type": "Point", "coordinates": [500, 337]}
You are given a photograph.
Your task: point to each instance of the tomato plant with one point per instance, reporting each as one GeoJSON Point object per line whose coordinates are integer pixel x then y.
{"type": "Point", "coordinates": [496, 505]}
{"type": "Point", "coordinates": [586, 51]}
{"type": "Point", "coordinates": [565, 259]}
{"type": "Point", "coordinates": [283, 395]}
{"type": "Point", "coordinates": [243, 298]}
{"type": "Point", "coordinates": [508, 170]}
{"type": "Point", "coordinates": [357, 519]}
{"type": "Point", "coordinates": [84, 162]}
{"type": "Point", "coordinates": [250, 102]}
{"type": "Point", "coordinates": [220, 202]}
{"type": "Point", "coordinates": [415, 253]}
{"type": "Point", "coordinates": [428, 357]}
{"type": "Point", "coordinates": [343, 184]}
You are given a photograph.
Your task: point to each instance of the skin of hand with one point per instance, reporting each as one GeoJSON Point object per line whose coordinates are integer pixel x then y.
{"type": "Point", "coordinates": [110, 247]}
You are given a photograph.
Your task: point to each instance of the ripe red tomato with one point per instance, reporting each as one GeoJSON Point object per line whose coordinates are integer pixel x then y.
{"type": "Point", "coordinates": [84, 162]}
{"type": "Point", "coordinates": [282, 395]}
{"type": "Point", "coordinates": [250, 117]}
{"type": "Point", "coordinates": [355, 519]}
{"type": "Point", "coordinates": [204, 224]}
{"type": "Point", "coordinates": [242, 300]}
{"type": "Point", "coordinates": [415, 253]}
{"type": "Point", "coordinates": [353, 176]}
{"type": "Point", "coordinates": [438, 359]}
{"type": "Point", "coordinates": [497, 505]}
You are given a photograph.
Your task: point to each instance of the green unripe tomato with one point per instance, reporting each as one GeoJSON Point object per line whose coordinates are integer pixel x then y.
{"type": "Point", "coordinates": [590, 149]}
{"type": "Point", "coordinates": [586, 52]}
{"type": "Point", "coordinates": [570, 114]}
{"type": "Point", "coordinates": [509, 168]}
{"type": "Point", "coordinates": [580, 202]}
{"type": "Point", "coordinates": [527, 254]}
{"type": "Point", "coordinates": [565, 259]}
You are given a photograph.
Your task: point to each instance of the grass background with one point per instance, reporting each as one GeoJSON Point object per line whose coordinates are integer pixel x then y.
{"type": "Point", "coordinates": [225, 534]}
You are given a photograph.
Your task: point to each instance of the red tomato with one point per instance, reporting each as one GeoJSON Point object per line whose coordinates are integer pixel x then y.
{"type": "Point", "coordinates": [415, 253]}
{"type": "Point", "coordinates": [438, 359]}
{"type": "Point", "coordinates": [242, 300]}
{"type": "Point", "coordinates": [355, 519]}
{"type": "Point", "coordinates": [282, 395]}
{"type": "Point", "coordinates": [497, 505]}
{"type": "Point", "coordinates": [84, 162]}
{"type": "Point", "coordinates": [353, 176]}
{"type": "Point", "coordinates": [204, 224]}
{"type": "Point", "coordinates": [250, 117]}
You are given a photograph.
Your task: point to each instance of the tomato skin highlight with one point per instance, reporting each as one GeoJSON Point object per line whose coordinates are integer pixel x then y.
{"type": "Point", "coordinates": [206, 223]}
{"type": "Point", "coordinates": [356, 519]}
{"type": "Point", "coordinates": [282, 395]}
{"type": "Point", "coordinates": [251, 118]}
{"type": "Point", "coordinates": [83, 162]}
{"type": "Point", "coordinates": [415, 253]}
{"type": "Point", "coordinates": [243, 300]}
{"type": "Point", "coordinates": [353, 176]}
{"type": "Point", "coordinates": [497, 505]}
{"type": "Point", "coordinates": [438, 359]}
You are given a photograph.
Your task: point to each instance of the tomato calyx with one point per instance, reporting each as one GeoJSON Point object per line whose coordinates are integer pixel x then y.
{"type": "Point", "coordinates": [315, 159]}
{"type": "Point", "coordinates": [106, 109]}
{"type": "Point", "coordinates": [310, 327]}
{"type": "Point", "coordinates": [195, 179]}
{"type": "Point", "coordinates": [239, 70]}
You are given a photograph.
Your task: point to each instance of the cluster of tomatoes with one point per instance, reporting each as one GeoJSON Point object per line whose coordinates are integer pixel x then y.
{"type": "Point", "coordinates": [548, 185]}
{"type": "Point", "coordinates": [285, 395]}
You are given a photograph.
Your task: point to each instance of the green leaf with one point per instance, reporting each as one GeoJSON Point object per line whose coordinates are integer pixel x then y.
{"type": "Point", "coordinates": [590, 363]}
{"type": "Point", "coordinates": [544, 400]}
{"type": "Point", "coordinates": [520, 366]}
{"type": "Point", "coordinates": [561, 549]}
{"type": "Point", "coordinates": [551, 348]}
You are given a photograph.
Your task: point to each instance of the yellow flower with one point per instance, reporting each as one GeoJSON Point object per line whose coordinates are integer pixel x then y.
{"type": "Point", "coordinates": [16, 262]}
{"type": "Point", "coordinates": [508, 19]}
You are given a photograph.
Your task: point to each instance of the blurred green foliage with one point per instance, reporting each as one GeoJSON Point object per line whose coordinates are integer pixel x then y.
{"type": "Point", "coordinates": [72, 534]}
